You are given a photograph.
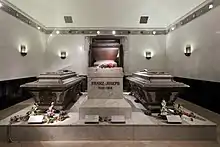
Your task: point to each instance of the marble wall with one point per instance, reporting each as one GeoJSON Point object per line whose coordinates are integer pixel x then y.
{"type": "Point", "coordinates": [137, 46]}
{"type": "Point", "coordinates": [134, 49]}
{"type": "Point", "coordinates": [13, 34]}
{"type": "Point", "coordinates": [203, 34]}
{"type": "Point", "coordinates": [77, 53]}
{"type": "Point", "coordinates": [168, 51]}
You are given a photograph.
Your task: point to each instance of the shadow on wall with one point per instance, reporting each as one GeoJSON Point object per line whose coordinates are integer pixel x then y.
{"type": "Point", "coordinates": [202, 93]}
{"type": "Point", "coordinates": [11, 93]}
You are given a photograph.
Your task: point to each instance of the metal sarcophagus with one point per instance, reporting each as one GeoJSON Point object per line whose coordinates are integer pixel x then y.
{"type": "Point", "coordinates": [61, 87]}
{"type": "Point", "coordinates": [150, 88]}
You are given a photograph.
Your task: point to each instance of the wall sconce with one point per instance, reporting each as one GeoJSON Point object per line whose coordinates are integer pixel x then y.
{"type": "Point", "coordinates": [188, 50]}
{"type": "Point", "coordinates": [23, 50]}
{"type": "Point", "coordinates": [148, 55]}
{"type": "Point", "coordinates": [63, 55]}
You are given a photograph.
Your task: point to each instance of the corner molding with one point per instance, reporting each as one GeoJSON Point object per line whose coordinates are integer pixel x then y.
{"type": "Point", "coordinates": [194, 14]}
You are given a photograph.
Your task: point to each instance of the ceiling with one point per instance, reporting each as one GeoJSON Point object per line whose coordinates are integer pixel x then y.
{"type": "Point", "coordinates": [107, 13]}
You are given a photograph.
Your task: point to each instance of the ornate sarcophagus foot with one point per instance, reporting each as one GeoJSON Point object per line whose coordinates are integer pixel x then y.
{"type": "Point", "coordinates": [150, 88]}
{"type": "Point", "coordinates": [61, 87]}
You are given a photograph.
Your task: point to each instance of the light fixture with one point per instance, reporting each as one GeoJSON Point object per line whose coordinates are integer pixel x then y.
{"type": "Point", "coordinates": [154, 32]}
{"type": "Point", "coordinates": [194, 15]}
{"type": "Point", "coordinates": [57, 32]}
{"type": "Point", "coordinates": [148, 55]}
{"type": "Point", "coordinates": [211, 6]}
{"type": "Point", "coordinates": [98, 32]}
{"type": "Point", "coordinates": [63, 55]}
{"type": "Point", "coordinates": [1, 5]}
{"type": "Point", "coordinates": [38, 28]}
{"type": "Point", "coordinates": [173, 28]}
{"type": "Point", "coordinates": [51, 35]}
{"type": "Point", "coordinates": [81, 48]}
{"type": "Point", "coordinates": [188, 50]}
{"type": "Point", "coordinates": [23, 50]}
{"type": "Point", "coordinates": [113, 32]}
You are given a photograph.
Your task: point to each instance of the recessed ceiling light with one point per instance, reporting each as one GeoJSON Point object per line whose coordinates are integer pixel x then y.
{"type": "Point", "coordinates": [1, 5]}
{"type": "Point", "coordinates": [113, 32]}
{"type": "Point", "coordinates": [154, 32]}
{"type": "Point", "coordinates": [51, 35]}
{"type": "Point", "coordinates": [38, 28]}
{"type": "Point", "coordinates": [211, 6]}
{"type": "Point", "coordinates": [57, 32]}
{"type": "Point", "coordinates": [194, 15]}
{"type": "Point", "coordinates": [98, 32]}
{"type": "Point", "coordinates": [173, 28]}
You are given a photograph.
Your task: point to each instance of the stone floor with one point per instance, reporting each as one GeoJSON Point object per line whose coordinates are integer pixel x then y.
{"type": "Point", "coordinates": [214, 117]}
{"type": "Point", "coordinates": [113, 144]}
{"type": "Point", "coordinates": [138, 117]}
{"type": "Point", "coordinates": [199, 110]}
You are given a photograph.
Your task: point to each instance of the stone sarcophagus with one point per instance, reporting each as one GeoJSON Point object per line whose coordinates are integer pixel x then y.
{"type": "Point", "coordinates": [105, 94]}
{"type": "Point", "coordinates": [150, 88]}
{"type": "Point", "coordinates": [61, 87]}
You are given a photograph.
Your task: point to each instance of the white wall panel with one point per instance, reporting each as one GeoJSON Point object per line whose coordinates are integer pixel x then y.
{"type": "Point", "coordinates": [204, 35]}
{"type": "Point", "coordinates": [138, 45]}
{"type": "Point", "coordinates": [134, 59]}
{"type": "Point", "coordinates": [12, 34]}
{"type": "Point", "coordinates": [77, 59]}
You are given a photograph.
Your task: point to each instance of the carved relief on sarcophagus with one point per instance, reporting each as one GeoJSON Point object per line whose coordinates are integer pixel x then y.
{"type": "Point", "coordinates": [47, 97]}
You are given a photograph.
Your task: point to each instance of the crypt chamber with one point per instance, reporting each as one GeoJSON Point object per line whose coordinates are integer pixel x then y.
{"type": "Point", "coordinates": [107, 99]}
{"type": "Point", "coordinates": [93, 74]}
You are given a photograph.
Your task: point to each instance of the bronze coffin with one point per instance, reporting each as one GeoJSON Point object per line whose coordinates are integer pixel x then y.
{"type": "Point", "coordinates": [60, 87]}
{"type": "Point", "coordinates": [150, 88]}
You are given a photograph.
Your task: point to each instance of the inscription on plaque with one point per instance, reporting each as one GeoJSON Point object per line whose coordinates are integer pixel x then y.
{"type": "Point", "coordinates": [105, 85]}
{"type": "Point", "coordinates": [107, 88]}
